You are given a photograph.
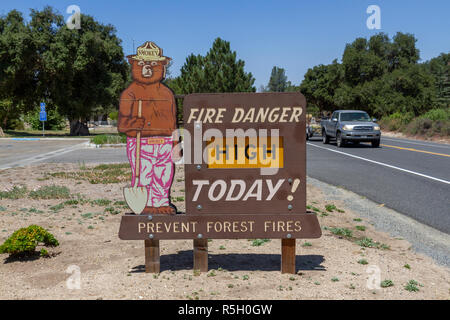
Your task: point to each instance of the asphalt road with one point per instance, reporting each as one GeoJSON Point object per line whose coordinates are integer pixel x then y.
{"type": "Point", "coordinates": [412, 177]}
{"type": "Point", "coordinates": [18, 152]}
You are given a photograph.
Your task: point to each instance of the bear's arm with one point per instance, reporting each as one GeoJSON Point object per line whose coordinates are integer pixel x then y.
{"type": "Point", "coordinates": [174, 114]}
{"type": "Point", "coordinates": [173, 109]}
{"type": "Point", "coordinates": [125, 121]}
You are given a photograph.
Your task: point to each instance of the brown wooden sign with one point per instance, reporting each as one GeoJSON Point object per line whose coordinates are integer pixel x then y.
{"type": "Point", "coordinates": [245, 177]}
{"type": "Point", "coordinates": [232, 226]}
{"type": "Point", "coordinates": [246, 153]}
{"type": "Point", "coordinates": [245, 171]}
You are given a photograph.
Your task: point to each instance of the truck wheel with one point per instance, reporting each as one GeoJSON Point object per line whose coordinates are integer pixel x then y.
{"type": "Point", "coordinates": [339, 141]}
{"type": "Point", "coordinates": [325, 138]}
{"type": "Point", "coordinates": [375, 143]}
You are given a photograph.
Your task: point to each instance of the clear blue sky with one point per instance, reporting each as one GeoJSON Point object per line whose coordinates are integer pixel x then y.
{"type": "Point", "coordinates": [295, 35]}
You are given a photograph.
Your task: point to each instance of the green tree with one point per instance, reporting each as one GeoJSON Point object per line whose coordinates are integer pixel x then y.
{"type": "Point", "coordinates": [363, 60]}
{"type": "Point", "coordinates": [79, 69]}
{"type": "Point", "coordinates": [74, 71]}
{"type": "Point", "coordinates": [218, 71]}
{"type": "Point", "coordinates": [379, 75]}
{"type": "Point", "coordinates": [278, 80]}
{"type": "Point", "coordinates": [320, 84]}
{"type": "Point", "coordinates": [403, 51]}
{"type": "Point", "coordinates": [17, 58]}
{"type": "Point", "coordinates": [439, 67]}
{"type": "Point", "coordinates": [290, 87]}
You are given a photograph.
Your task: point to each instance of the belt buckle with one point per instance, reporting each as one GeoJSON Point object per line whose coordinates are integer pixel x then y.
{"type": "Point", "coordinates": [155, 140]}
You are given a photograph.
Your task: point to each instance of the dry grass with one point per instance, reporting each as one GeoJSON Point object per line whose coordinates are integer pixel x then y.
{"type": "Point", "coordinates": [101, 174]}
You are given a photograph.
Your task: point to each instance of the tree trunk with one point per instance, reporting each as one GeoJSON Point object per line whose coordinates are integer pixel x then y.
{"type": "Point", "coordinates": [78, 128]}
{"type": "Point", "coordinates": [5, 120]}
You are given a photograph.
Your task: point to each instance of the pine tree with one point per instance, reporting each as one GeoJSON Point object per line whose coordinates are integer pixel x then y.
{"type": "Point", "coordinates": [278, 80]}
{"type": "Point", "coordinates": [444, 87]}
{"type": "Point", "coordinates": [218, 71]}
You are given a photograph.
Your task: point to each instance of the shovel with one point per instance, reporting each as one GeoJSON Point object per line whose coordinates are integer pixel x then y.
{"type": "Point", "coordinates": [136, 197]}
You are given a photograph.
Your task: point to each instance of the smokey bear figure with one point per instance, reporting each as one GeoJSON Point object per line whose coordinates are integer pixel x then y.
{"type": "Point", "coordinates": [148, 106]}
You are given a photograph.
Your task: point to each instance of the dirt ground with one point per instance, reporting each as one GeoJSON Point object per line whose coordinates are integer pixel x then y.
{"type": "Point", "coordinates": [332, 267]}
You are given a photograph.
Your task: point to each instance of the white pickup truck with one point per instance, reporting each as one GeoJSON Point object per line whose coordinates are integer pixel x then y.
{"type": "Point", "coordinates": [351, 126]}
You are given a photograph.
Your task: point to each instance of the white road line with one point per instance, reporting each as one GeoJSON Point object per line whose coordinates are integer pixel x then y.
{"type": "Point", "coordinates": [420, 144]}
{"type": "Point", "coordinates": [44, 156]}
{"type": "Point", "coordinates": [382, 164]}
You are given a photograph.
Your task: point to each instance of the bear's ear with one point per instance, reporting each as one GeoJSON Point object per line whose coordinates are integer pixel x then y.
{"type": "Point", "coordinates": [131, 60]}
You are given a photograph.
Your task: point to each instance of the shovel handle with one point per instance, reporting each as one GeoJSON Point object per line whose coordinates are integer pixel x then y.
{"type": "Point", "coordinates": [138, 147]}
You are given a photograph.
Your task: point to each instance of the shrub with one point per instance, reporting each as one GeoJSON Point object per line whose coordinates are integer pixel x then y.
{"type": "Point", "coordinates": [437, 115]}
{"type": "Point", "coordinates": [366, 242]}
{"type": "Point", "coordinates": [51, 192]}
{"type": "Point", "coordinates": [114, 115]}
{"type": "Point", "coordinates": [25, 240]}
{"type": "Point", "coordinates": [363, 261]}
{"type": "Point", "coordinates": [112, 210]}
{"type": "Point", "coordinates": [108, 139]}
{"type": "Point", "coordinates": [396, 120]}
{"type": "Point", "coordinates": [434, 122]}
{"type": "Point", "coordinates": [259, 242]}
{"type": "Point", "coordinates": [15, 193]}
{"type": "Point", "coordinates": [101, 202]}
{"type": "Point", "coordinates": [342, 232]}
{"type": "Point", "coordinates": [412, 286]}
{"type": "Point", "coordinates": [55, 121]}
{"type": "Point", "coordinates": [386, 283]}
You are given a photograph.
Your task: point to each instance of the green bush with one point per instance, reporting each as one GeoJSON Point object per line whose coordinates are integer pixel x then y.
{"type": "Point", "coordinates": [109, 139]}
{"type": "Point", "coordinates": [55, 121]}
{"type": "Point", "coordinates": [341, 232]}
{"type": "Point", "coordinates": [15, 193]}
{"type": "Point", "coordinates": [420, 126]}
{"type": "Point", "coordinates": [386, 283]}
{"type": "Point", "coordinates": [113, 115]}
{"type": "Point", "coordinates": [15, 124]}
{"type": "Point", "coordinates": [434, 122]}
{"type": "Point", "coordinates": [259, 242]}
{"type": "Point", "coordinates": [51, 192]}
{"type": "Point", "coordinates": [25, 240]}
{"type": "Point", "coordinates": [396, 120]}
{"type": "Point", "coordinates": [437, 114]}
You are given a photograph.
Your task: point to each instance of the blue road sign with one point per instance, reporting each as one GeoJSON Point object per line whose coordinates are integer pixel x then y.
{"type": "Point", "coordinates": [42, 116]}
{"type": "Point", "coordinates": [42, 106]}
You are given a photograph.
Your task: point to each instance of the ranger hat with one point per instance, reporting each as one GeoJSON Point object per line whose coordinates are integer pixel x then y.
{"type": "Point", "coordinates": [149, 51]}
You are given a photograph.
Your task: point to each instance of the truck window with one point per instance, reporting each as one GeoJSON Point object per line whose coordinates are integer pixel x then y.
{"type": "Point", "coordinates": [355, 116]}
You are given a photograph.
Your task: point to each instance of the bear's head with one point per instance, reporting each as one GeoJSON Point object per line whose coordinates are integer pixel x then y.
{"type": "Point", "coordinates": [148, 72]}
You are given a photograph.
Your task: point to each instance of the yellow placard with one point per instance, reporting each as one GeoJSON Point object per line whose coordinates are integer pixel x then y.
{"type": "Point", "coordinates": [245, 152]}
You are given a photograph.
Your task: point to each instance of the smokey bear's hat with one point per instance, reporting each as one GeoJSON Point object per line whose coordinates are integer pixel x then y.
{"type": "Point", "coordinates": [149, 51]}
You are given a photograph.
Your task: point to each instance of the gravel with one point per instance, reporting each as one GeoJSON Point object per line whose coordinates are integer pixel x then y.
{"type": "Point", "coordinates": [423, 238]}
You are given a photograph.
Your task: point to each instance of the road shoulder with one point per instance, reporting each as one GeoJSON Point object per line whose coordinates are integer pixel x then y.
{"type": "Point", "coordinates": [423, 238]}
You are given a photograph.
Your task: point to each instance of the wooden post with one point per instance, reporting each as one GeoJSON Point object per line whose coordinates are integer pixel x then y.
{"type": "Point", "coordinates": [288, 256]}
{"type": "Point", "coordinates": [201, 255]}
{"type": "Point", "coordinates": [152, 263]}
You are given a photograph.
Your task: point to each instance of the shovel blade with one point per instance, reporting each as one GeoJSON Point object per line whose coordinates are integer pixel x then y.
{"type": "Point", "coordinates": [136, 198]}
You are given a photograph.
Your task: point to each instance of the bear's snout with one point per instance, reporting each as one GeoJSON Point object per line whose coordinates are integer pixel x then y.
{"type": "Point", "coordinates": [147, 71]}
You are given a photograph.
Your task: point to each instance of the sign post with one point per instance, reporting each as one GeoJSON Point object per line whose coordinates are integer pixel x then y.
{"type": "Point", "coordinates": [43, 117]}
